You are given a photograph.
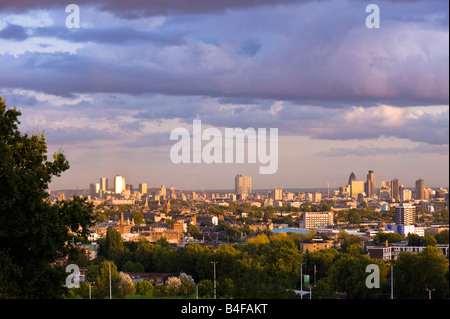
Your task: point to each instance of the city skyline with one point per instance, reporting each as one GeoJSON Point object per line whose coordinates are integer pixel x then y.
{"type": "Point", "coordinates": [344, 98]}
{"type": "Point", "coordinates": [243, 185]}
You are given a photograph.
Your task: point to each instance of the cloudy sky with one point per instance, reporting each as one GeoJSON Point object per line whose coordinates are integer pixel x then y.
{"type": "Point", "coordinates": [345, 98]}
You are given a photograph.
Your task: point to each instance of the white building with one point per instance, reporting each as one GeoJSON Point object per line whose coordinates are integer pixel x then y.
{"type": "Point", "coordinates": [119, 184]}
{"type": "Point", "coordinates": [312, 220]}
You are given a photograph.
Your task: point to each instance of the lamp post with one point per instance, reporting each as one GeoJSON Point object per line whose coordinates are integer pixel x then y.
{"type": "Point", "coordinates": [214, 263]}
{"type": "Point", "coordinates": [392, 281]}
{"type": "Point", "coordinates": [110, 291]}
{"type": "Point", "coordinates": [429, 292]}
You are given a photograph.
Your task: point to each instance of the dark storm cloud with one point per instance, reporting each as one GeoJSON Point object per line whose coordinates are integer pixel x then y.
{"type": "Point", "coordinates": [13, 32]}
{"type": "Point", "coordinates": [141, 8]}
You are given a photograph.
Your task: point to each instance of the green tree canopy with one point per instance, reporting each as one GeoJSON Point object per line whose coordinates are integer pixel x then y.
{"type": "Point", "coordinates": [33, 232]}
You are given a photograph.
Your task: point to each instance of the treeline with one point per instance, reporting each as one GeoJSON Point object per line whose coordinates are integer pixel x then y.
{"type": "Point", "coordinates": [268, 266]}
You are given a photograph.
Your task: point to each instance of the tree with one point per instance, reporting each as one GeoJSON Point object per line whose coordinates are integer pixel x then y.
{"type": "Point", "coordinates": [348, 275]}
{"type": "Point", "coordinates": [144, 254]}
{"type": "Point", "coordinates": [187, 288]}
{"type": "Point", "coordinates": [173, 285]}
{"type": "Point", "coordinates": [416, 272]}
{"type": "Point", "coordinates": [206, 288]}
{"type": "Point", "coordinates": [143, 288]}
{"type": "Point", "coordinates": [225, 288]}
{"type": "Point", "coordinates": [126, 285]}
{"type": "Point", "coordinates": [323, 290]}
{"type": "Point", "coordinates": [130, 266]}
{"type": "Point", "coordinates": [442, 237]}
{"type": "Point", "coordinates": [114, 243]}
{"type": "Point", "coordinates": [138, 217]}
{"type": "Point", "coordinates": [103, 280]}
{"type": "Point", "coordinates": [33, 232]}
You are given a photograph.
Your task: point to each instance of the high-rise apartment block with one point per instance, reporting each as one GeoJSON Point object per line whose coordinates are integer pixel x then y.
{"type": "Point", "coordinates": [104, 184]}
{"type": "Point", "coordinates": [420, 190]}
{"type": "Point", "coordinates": [277, 194]}
{"type": "Point", "coordinates": [405, 215]}
{"type": "Point", "coordinates": [242, 184]}
{"type": "Point", "coordinates": [395, 189]}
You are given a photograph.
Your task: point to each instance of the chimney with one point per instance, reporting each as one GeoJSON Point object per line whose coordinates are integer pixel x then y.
{"type": "Point", "coordinates": [121, 220]}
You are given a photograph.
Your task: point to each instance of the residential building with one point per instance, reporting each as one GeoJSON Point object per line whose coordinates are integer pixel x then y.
{"type": "Point", "coordinates": [387, 253]}
{"type": "Point", "coordinates": [405, 214]}
{"type": "Point", "coordinates": [277, 194]}
{"type": "Point", "coordinates": [242, 185]}
{"type": "Point", "coordinates": [313, 220]}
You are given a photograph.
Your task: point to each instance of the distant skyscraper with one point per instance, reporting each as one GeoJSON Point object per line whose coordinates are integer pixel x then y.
{"type": "Point", "coordinates": [163, 192]}
{"type": "Point", "coordinates": [119, 184]}
{"type": "Point", "coordinates": [351, 178]}
{"type": "Point", "coordinates": [242, 184]}
{"type": "Point", "coordinates": [420, 190]}
{"type": "Point", "coordinates": [277, 194]}
{"type": "Point", "coordinates": [104, 184]}
{"type": "Point", "coordinates": [369, 186]}
{"type": "Point", "coordinates": [143, 188]}
{"type": "Point", "coordinates": [356, 187]}
{"type": "Point", "coordinates": [94, 189]}
{"type": "Point", "coordinates": [395, 189]}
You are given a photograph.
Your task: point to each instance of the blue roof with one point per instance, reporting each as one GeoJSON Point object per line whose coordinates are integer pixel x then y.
{"type": "Point", "coordinates": [289, 229]}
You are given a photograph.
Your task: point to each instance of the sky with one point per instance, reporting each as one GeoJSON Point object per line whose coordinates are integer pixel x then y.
{"type": "Point", "coordinates": [344, 97]}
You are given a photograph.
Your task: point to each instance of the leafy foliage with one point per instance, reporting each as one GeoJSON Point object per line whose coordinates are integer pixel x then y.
{"type": "Point", "coordinates": [33, 233]}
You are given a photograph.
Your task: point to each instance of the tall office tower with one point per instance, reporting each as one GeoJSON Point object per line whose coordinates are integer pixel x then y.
{"type": "Point", "coordinates": [405, 215]}
{"type": "Point", "coordinates": [356, 187]}
{"type": "Point", "coordinates": [242, 184]}
{"type": "Point", "coordinates": [143, 188]}
{"type": "Point", "coordinates": [395, 189]}
{"type": "Point", "coordinates": [163, 192]}
{"type": "Point", "coordinates": [94, 189]}
{"type": "Point", "coordinates": [405, 195]}
{"type": "Point", "coordinates": [385, 184]}
{"type": "Point", "coordinates": [369, 186]}
{"type": "Point", "coordinates": [420, 189]}
{"type": "Point", "coordinates": [351, 178]}
{"type": "Point", "coordinates": [277, 194]}
{"type": "Point", "coordinates": [104, 184]}
{"type": "Point", "coordinates": [119, 184]}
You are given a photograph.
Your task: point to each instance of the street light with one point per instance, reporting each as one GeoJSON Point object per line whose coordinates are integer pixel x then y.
{"type": "Point", "coordinates": [214, 263]}
{"type": "Point", "coordinates": [429, 292]}
{"type": "Point", "coordinates": [110, 293]}
{"type": "Point", "coordinates": [196, 289]}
